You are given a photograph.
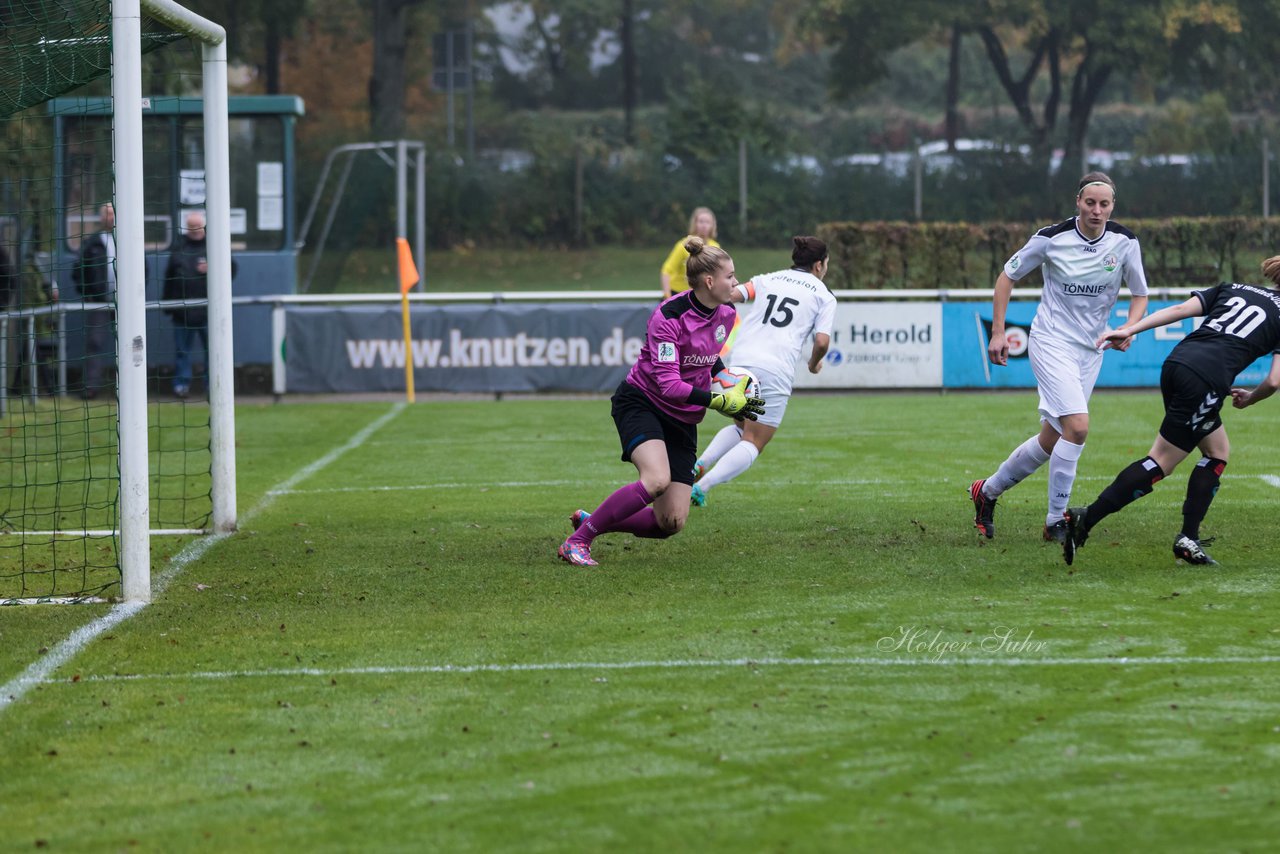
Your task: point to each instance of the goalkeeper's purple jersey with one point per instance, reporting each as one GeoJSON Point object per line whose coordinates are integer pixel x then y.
{"type": "Point", "coordinates": [681, 345]}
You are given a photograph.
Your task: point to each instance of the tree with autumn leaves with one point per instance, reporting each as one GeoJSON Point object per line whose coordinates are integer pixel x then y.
{"type": "Point", "coordinates": [1056, 58]}
{"type": "Point", "coordinates": [714, 73]}
{"type": "Point", "coordinates": [1054, 61]}
{"type": "Point", "coordinates": [341, 56]}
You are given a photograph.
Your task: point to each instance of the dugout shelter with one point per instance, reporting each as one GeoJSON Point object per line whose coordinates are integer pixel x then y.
{"type": "Point", "coordinates": [263, 198]}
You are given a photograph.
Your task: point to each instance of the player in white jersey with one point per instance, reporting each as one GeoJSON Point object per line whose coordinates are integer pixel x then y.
{"type": "Point", "coordinates": [784, 311]}
{"type": "Point", "coordinates": [1083, 260]}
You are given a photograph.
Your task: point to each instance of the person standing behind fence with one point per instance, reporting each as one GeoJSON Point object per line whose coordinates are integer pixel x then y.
{"type": "Point", "coordinates": [1083, 261]}
{"type": "Point", "coordinates": [8, 288]}
{"type": "Point", "coordinates": [95, 273]}
{"type": "Point", "coordinates": [17, 291]}
{"type": "Point", "coordinates": [703, 224]}
{"type": "Point", "coordinates": [186, 279]}
{"type": "Point", "coordinates": [8, 280]}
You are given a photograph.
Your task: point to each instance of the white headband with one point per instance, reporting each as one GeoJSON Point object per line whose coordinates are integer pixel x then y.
{"type": "Point", "coordinates": [1092, 183]}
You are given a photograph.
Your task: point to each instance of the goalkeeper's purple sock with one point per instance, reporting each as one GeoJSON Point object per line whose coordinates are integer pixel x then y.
{"type": "Point", "coordinates": [642, 524]}
{"type": "Point", "coordinates": [625, 502]}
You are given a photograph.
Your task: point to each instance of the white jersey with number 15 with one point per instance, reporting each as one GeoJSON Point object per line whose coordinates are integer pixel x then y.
{"type": "Point", "coordinates": [782, 313]}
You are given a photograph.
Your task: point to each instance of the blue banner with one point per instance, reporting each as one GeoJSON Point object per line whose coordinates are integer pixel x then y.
{"type": "Point", "coordinates": [464, 348]}
{"type": "Point", "coordinates": [967, 325]}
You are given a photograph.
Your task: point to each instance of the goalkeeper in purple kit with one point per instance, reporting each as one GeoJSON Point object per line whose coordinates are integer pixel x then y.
{"type": "Point", "coordinates": [658, 406]}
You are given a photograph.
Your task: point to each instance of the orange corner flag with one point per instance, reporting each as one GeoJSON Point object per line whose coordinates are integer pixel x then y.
{"type": "Point", "coordinates": [408, 272]}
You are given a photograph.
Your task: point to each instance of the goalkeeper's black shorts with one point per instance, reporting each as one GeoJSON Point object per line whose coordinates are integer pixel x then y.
{"type": "Point", "coordinates": [639, 420]}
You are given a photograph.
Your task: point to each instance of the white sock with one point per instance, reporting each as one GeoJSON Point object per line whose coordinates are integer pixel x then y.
{"type": "Point", "coordinates": [733, 464]}
{"type": "Point", "coordinates": [1022, 463]}
{"type": "Point", "coordinates": [729, 435]}
{"type": "Point", "coordinates": [1062, 474]}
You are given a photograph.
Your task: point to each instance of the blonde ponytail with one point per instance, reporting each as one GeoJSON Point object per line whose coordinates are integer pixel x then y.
{"type": "Point", "coordinates": [704, 259]}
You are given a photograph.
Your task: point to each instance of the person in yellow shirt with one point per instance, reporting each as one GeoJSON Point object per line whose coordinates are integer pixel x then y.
{"type": "Point", "coordinates": [703, 224]}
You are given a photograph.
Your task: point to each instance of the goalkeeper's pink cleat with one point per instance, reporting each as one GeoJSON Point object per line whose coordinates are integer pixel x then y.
{"type": "Point", "coordinates": [577, 517]}
{"type": "Point", "coordinates": [577, 554]}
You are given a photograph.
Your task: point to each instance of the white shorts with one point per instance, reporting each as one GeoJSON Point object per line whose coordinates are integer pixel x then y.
{"type": "Point", "coordinates": [775, 392]}
{"type": "Point", "coordinates": [1065, 375]}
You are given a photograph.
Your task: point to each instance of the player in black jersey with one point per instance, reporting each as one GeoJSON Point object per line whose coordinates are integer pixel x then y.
{"type": "Point", "coordinates": [1242, 324]}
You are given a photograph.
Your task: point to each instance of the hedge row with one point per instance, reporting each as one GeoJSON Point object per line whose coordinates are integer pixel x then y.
{"type": "Point", "coordinates": [1176, 252]}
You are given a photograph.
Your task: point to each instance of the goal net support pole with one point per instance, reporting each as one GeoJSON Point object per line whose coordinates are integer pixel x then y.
{"type": "Point", "coordinates": [221, 360]}
{"type": "Point", "coordinates": [131, 321]}
{"type": "Point", "coordinates": [126, 90]}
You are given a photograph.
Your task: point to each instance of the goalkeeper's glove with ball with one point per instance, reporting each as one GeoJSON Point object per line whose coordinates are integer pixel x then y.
{"type": "Point", "coordinates": [735, 403]}
{"type": "Point", "coordinates": [725, 379]}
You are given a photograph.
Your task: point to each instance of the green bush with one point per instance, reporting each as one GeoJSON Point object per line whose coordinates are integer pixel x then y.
{"type": "Point", "coordinates": [1177, 252]}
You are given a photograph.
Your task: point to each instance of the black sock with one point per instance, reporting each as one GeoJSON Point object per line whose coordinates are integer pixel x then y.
{"type": "Point", "coordinates": [1202, 486]}
{"type": "Point", "coordinates": [1138, 479]}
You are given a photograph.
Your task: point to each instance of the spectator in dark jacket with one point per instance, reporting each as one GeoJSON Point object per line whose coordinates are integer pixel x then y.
{"type": "Point", "coordinates": [95, 273]}
{"type": "Point", "coordinates": [8, 288]}
{"type": "Point", "coordinates": [186, 279]}
{"type": "Point", "coordinates": [8, 280]}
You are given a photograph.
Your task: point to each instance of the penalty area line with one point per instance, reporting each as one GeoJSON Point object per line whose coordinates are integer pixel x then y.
{"type": "Point", "coordinates": [682, 664]}
{"type": "Point", "coordinates": [60, 653]}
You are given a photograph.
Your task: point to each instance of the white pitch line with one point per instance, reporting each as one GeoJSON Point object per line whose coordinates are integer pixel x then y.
{"type": "Point", "coordinates": [677, 664]}
{"type": "Point", "coordinates": [509, 484]}
{"type": "Point", "coordinates": [1271, 479]}
{"type": "Point", "coordinates": [524, 484]}
{"type": "Point", "coordinates": [66, 649]}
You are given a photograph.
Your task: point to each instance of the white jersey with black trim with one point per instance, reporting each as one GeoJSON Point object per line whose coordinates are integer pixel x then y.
{"type": "Point", "coordinates": [1082, 278]}
{"type": "Point", "coordinates": [783, 312]}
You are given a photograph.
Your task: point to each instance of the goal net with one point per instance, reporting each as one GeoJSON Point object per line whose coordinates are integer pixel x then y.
{"type": "Point", "coordinates": [97, 452]}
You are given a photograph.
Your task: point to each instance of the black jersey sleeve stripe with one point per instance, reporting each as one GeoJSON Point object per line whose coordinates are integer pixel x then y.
{"type": "Point", "coordinates": [1057, 228]}
{"type": "Point", "coordinates": [1121, 230]}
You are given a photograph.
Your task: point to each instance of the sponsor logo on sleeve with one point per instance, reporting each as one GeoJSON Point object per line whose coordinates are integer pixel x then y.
{"type": "Point", "coordinates": [1014, 262]}
{"type": "Point", "coordinates": [667, 352]}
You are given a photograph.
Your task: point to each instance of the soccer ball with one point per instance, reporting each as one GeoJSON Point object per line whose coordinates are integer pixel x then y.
{"type": "Point", "coordinates": [727, 379]}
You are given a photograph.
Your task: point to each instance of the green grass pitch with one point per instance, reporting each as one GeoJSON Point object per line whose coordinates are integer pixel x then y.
{"type": "Point", "coordinates": [388, 656]}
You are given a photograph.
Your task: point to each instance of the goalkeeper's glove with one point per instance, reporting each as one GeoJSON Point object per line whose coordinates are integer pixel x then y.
{"type": "Point", "coordinates": [735, 403]}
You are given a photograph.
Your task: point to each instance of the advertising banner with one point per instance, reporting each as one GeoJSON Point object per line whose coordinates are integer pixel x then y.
{"type": "Point", "coordinates": [588, 347]}
{"type": "Point", "coordinates": [967, 328]}
{"type": "Point", "coordinates": [880, 345]}
{"type": "Point", "coordinates": [508, 347]}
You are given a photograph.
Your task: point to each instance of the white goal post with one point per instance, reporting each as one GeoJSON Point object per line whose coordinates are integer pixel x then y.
{"type": "Point", "coordinates": [131, 335]}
